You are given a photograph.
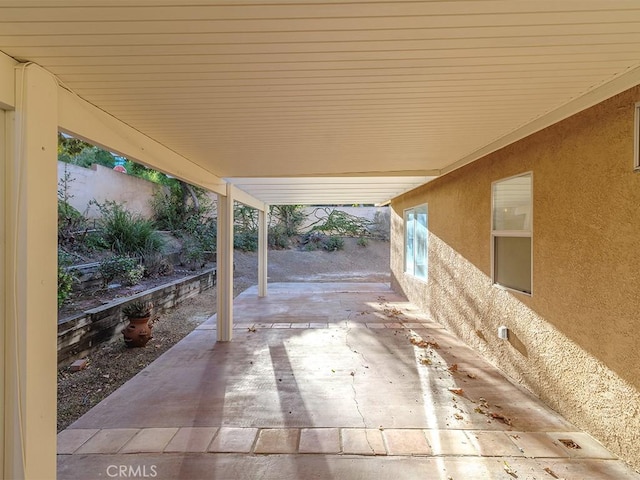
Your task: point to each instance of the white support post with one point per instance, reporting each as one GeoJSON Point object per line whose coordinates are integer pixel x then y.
{"type": "Point", "coordinates": [30, 281]}
{"type": "Point", "coordinates": [224, 260]}
{"type": "Point", "coordinates": [3, 291]}
{"type": "Point", "coordinates": [263, 248]}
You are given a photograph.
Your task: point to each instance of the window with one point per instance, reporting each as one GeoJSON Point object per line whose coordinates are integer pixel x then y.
{"type": "Point", "coordinates": [511, 233]}
{"type": "Point", "coordinates": [416, 241]}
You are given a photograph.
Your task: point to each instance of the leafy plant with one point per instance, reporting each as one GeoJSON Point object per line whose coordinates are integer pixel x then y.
{"type": "Point", "coordinates": [311, 247]}
{"type": "Point", "coordinates": [334, 243]}
{"type": "Point", "coordinates": [74, 151]}
{"type": "Point", "coordinates": [284, 224]}
{"type": "Point", "coordinates": [137, 309]}
{"type": "Point", "coordinates": [363, 242]}
{"type": "Point", "coordinates": [336, 222]}
{"type": "Point", "coordinates": [245, 219]}
{"type": "Point", "coordinates": [193, 253]}
{"type": "Point", "coordinates": [72, 225]}
{"type": "Point", "coordinates": [178, 204]}
{"type": "Point", "coordinates": [278, 237]}
{"type": "Point", "coordinates": [134, 275]}
{"type": "Point", "coordinates": [245, 228]}
{"type": "Point", "coordinates": [156, 264]}
{"type": "Point", "coordinates": [65, 278]}
{"type": "Point", "coordinates": [315, 240]}
{"type": "Point", "coordinates": [187, 211]}
{"type": "Point", "coordinates": [120, 267]}
{"type": "Point", "coordinates": [126, 233]}
{"type": "Point", "coordinates": [246, 241]}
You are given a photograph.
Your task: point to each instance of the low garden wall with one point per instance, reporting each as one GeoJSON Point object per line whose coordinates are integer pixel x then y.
{"type": "Point", "coordinates": [77, 335]}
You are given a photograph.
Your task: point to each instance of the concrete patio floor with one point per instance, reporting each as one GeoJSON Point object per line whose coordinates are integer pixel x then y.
{"type": "Point", "coordinates": [327, 381]}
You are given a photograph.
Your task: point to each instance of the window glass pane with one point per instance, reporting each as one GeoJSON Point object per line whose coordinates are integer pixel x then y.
{"type": "Point", "coordinates": [410, 242]}
{"type": "Point", "coordinates": [512, 204]}
{"type": "Point", "coordinates": [512, 263]}
{"type": "Point", "coordinates": [421, 234]}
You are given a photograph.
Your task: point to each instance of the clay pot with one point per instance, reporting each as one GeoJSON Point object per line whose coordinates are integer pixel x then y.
{"type": "Point", "coordinates": [137, 333]}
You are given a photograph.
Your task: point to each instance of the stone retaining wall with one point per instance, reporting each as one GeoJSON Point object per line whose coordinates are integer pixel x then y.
{"type": "Point", "coordinates": [79, 334]}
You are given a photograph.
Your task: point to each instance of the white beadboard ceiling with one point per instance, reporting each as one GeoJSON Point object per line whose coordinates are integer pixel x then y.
{"type": "Point", "coordinates": [388, 93]}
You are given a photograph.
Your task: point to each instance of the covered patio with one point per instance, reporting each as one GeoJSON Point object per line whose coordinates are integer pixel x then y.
{"type": "Point", "coordinates": [327, 381]}
{"type": "Point", "coordinates": [330, 102]}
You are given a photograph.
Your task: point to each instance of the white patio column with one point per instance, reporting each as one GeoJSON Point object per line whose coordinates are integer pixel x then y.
{"type": "Point", "coordinates": [224, 260]}
{"type": "Point", "coordinates": [30, 280]}
{"type": "Point", "coordinates": [3, 291]}
{"type": "Point", "coordinates": [263, 248]}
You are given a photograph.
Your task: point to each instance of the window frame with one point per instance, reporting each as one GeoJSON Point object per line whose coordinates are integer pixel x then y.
{"type": "Point", "coordinates": [510, 234]}
{"type": "Point", "coordinates": [412, 272]}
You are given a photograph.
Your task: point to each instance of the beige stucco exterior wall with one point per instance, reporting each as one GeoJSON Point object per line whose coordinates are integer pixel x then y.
{"type": "Point", "coordinates": [573, 342]}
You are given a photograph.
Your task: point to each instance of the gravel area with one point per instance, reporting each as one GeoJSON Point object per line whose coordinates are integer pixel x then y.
{"type": "Point", "coordinates": [111, 364]}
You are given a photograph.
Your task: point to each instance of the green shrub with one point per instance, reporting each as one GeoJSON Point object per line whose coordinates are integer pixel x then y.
{"type": "Point", "coordinates": [156, 265]}
{"type": "Point", "coordinates": [180, 207]}
{"type": "Point", "coordinates": [201, 230]}
{"type": "Point", "coordinates": [120, 267]}
{"type": "Point", "coordinates": [126, 233]}
{"type": "Point", "coordinates": [70, 220]}
{"type": "Point", "coordinates": [246, 241]}
{"type": "Point", "coordinates": [334, 243]}
{"type": "Point", "coordinates": [94, 241]}
{"type": "Point", "coordinates": [313, 241]}
{"type": "Point", "coordinates": [278, 236]}
{"type": "Point", "coordinates": [186, 211]}
{"type": "Point", "coordinates": [193, 253]}
{"type": "Point", "coordinates": [65, 278]}
{"type": "Point", "coordinates": [311, 247]}
{"type": "Point", "coordinates": [288, 219]}
{"type": "Point", "coordinates": [134, 275]}
{"type": "Point", "coordinates": [363, 241]}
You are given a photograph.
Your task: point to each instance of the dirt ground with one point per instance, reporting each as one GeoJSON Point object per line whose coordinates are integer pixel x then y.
{"type": "Point", "coordinates": [111, 365]}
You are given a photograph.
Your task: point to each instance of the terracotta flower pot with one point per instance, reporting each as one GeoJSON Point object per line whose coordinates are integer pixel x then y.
{"type": "Point", "coordinates": [137, 333]}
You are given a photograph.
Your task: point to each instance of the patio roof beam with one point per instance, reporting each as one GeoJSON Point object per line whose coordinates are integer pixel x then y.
{"type": "Point", "coordinates": [248, 199]}
{"type": "Point", "coordinates": [7, 82]}
{"type": "Point", "coordinates": [83, 120]}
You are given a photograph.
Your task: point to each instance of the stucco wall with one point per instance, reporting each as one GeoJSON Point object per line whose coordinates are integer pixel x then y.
{"type": "Point", "coordinates": [574, 342]}
{"type": "Point", "coordinates": [102, 183]}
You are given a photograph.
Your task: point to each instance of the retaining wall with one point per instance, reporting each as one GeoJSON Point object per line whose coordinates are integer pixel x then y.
{"type": "Point", "coordinates": [79, 334]}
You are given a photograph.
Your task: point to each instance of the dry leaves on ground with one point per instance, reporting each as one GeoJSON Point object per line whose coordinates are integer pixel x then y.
{"type": "Point", "coordinates": [420, 342]}
{"type": "Point", "coordinates": [509, 470]}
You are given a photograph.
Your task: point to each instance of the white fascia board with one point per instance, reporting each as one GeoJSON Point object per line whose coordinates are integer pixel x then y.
{"type": "Point", "coordinates": [599, 94]}
{"type": "Point", "coordinates": [247, 199]}
{"type": "Point", "coordinates": [84, 120]}
{"type": "Point", "coordinates": [7, 82]}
